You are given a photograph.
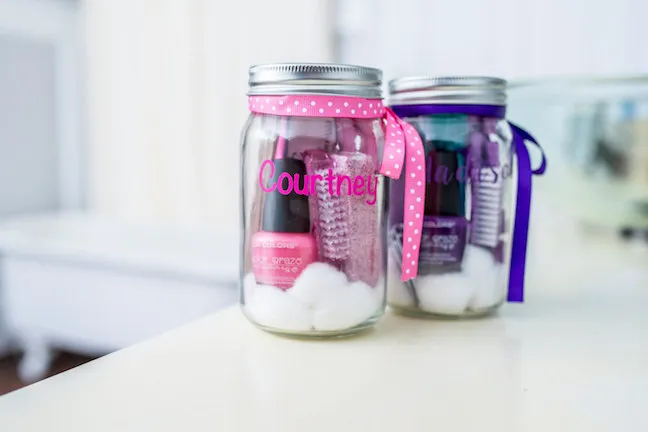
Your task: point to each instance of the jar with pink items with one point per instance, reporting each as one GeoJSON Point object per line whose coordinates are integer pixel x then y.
{"type": "Point", "coordinates": [313, 152]}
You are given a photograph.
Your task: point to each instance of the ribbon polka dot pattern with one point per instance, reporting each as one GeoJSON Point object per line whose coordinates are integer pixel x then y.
{"type": "Point", "coordinates": [402, 142]}
{"type": "Point", "coordinates": [403, 153]}
{"type": "Point", "coordinates": [317, 106]}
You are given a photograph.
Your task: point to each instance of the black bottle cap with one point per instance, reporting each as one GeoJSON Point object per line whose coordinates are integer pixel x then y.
{"type": "Point", "coordinates": [444, 195]}
{"type": "Point", "coordinates": [287, 213]}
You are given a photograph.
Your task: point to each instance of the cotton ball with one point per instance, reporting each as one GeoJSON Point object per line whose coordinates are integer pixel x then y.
{"type": "Point", "coordinates": [275, 308]}
{"type": "Point", "coordinates": [351, 306]}
{"type": "Point", "coordinates": [397, 293]}
{"type": "Point", "coordinates": [478, 261]}
{"type": "Point", "coordinates": [445, 293]}
{"type": "Point", "coordinates": [489, 289]}
{"type": "Point", "coordinates": [318, 283]}
{"type": "Point", "coordinates": [480, 266]}
{"type": "Point", "coordinates": [380, 284]}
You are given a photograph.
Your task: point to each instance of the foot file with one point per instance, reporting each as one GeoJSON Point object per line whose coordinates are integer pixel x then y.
{"type": "Point", "coordinates": [329, 212]}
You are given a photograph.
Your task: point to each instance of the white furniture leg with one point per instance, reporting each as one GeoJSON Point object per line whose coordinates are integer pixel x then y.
{"type": "Point", "coordinates": [36, 359]}
{"type": "Point", "coordinates": [5, 343]}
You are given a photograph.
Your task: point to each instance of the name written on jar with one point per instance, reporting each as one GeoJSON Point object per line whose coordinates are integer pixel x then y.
{"type": "Point", "coordinates": [465, 174]}
{"type": "Point", "coordinates": [311, 184]}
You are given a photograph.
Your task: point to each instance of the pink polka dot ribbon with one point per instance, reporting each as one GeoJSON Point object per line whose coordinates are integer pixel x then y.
{"type": "Point", "coordinates": [403, 152]}
{"type": "Point", "coordinates": [403, 145]}
{"type": "Point", "coordinates": [317, 106]}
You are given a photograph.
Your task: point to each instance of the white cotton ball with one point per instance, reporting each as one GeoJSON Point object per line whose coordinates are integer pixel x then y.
{"type": "Point", "coordinates": [351, 306]}
{"type": "Point", "coordinates": [445, 293]}
{"type": "Point", "coordinates": [478, 261]}
{"type": "Point", "coordinates": [397, 292]}
{"type": "Point", "coordinates": [317, 283]}
{"type": "Point", "coordinates": [275, 308]}
{"type": "Point", "coordinates": [486, 275]}
{"type": "Point", "coordinates": [490, 289]}
{"type": "Point", "coordinates": [321, 298]}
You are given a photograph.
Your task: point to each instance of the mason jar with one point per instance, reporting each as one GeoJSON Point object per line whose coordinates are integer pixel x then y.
{"type": "Point", "coordinates": [313, 254]}
{"type": "Point", "coordinates": [463, 263]}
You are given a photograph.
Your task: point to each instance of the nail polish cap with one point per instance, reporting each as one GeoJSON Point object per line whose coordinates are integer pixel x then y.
{"type": "Point", "coordinates": [287, 212]}
{"type": "Point", "coordinates": [444, 196]}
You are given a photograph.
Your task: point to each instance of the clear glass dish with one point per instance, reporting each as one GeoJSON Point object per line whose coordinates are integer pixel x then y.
{"type": "Point", "coordinates": [595, 133]}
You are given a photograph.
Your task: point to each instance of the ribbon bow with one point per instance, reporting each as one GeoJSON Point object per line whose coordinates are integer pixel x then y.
{"type": "Point", "coordinates": [404, 150]}
{"type": "Point", "coordinates": [522, 210]}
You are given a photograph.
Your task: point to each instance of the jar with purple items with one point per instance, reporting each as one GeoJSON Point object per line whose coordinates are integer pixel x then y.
{"type": "Point", "coordinates": [475, 221]}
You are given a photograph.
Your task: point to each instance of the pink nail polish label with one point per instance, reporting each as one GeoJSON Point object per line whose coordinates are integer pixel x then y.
{"type": "Point", "coordinates": [279, 258]}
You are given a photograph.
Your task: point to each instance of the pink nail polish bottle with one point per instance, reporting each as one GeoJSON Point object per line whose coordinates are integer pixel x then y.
{"type": "Point", "coordinates": [285, 245]}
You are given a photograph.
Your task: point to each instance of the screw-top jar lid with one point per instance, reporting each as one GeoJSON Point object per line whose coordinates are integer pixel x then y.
{"type": "Point", "coordinates": [448, 90]}
{"type": "Point", "coordinates": [315, 78]}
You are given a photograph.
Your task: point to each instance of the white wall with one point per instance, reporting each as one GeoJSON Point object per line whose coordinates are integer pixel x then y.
{"type": "Point", "coordinates": [509, 38]}
{"type": "Point", "coordinates": [167, 78]}
{"type": "Point", "coordinates": [255, 31]}
{"type": "Point", "coordinates": [166, 88]}
{"type": "Point", "coordinates": [41, 132]}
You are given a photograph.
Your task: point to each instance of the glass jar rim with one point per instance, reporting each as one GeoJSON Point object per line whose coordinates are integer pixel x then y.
{"type": "Point", "coordinates": [469, 90]}
{"type": "Point", "coordinates": [315, 78]}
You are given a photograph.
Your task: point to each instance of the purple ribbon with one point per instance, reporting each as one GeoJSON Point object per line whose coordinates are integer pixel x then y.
{"type": "Point", "coordinates": [525, 175]}
{"type": "Point", "coordinates": [496, 111]}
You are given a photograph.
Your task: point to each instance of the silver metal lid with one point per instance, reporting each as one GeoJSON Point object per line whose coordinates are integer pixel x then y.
{"type": "Point", "coordinates": [315, 78]}
{"type": "Point", "coordinates": [447, 90]}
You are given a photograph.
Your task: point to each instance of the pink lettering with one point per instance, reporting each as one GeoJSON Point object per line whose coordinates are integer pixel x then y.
{"type": "Point", "coordinates": [313, 182]}
{"type": "Point", "coordinates": [372, 193]}
{"type": "Point", "coordinates": [340, 180]}
{"type": "Point", "coordinates": [329, 179]}
{"type": "Point", "coordinates": [358, 186]}
{"type": "Point", "coordinates": [304, 183]}
{"type": "Point", "coordinates": [288, 189]}
{"type": "Point", "coordinates": [288, 183]}
{"type": "Point", "coordinates": [263, 165]}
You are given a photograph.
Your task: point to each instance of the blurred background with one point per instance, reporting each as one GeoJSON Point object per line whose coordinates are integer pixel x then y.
{"type": "Point", "coordinates": [119, 145]}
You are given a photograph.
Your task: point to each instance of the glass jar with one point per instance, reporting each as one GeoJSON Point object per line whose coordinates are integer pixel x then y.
{"type": "Point", "coordinates": [313, 258]}
{"type": "Point", "coordinates": [463, 264]}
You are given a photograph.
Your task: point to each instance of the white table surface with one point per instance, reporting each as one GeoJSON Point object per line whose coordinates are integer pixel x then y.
{"type": "Point", "coordinates": [573, 358]}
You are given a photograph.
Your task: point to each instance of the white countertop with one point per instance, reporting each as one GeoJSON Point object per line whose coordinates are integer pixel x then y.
{"type": "Point", "coordinates": [573, 358]}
